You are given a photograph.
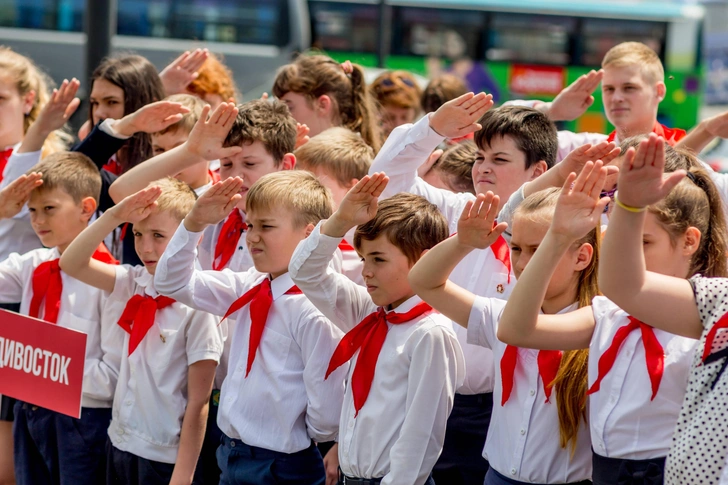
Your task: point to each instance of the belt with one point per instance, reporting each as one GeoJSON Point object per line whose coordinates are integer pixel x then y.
{"type": "Point", "coordinates": [344, 480]}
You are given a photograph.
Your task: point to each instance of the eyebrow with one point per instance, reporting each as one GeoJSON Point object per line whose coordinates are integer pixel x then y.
{"type": "Point", "coordinates": [375, 253]}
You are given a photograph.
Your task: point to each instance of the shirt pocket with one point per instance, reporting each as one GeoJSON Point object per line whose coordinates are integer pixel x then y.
{"type": "Point", "coordinates": [274, 351]}
{"type": "Point", "coordinates": [163, 346]}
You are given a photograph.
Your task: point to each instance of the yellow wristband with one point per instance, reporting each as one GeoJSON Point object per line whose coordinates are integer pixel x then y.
{"type": "Point", "coordinates": [628, 208]}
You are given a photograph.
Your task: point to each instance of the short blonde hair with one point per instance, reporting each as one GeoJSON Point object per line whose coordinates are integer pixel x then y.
{"type": "Point", "coordinates": [194, 104]}
{"type": "Point", "coordinates": [177, 197]}
{"type": "Point", "coordinates": [636, 54]}
{"type": "Point", "coordinates": [72, 172]}
{"type": "Point", "coordinates": [298, 191]}
{"type": "Point", "coordinates": [340, 152]}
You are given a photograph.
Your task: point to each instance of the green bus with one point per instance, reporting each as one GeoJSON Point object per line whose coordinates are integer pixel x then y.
{"type": "Point", "coordinates": [528, 49]}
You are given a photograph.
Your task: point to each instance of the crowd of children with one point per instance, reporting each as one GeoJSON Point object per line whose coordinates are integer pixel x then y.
{"type": "Point", "coordinates": [351, 284]}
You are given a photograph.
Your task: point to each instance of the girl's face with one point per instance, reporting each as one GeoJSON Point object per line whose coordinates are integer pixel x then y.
{"type": "Point", "coordinates": [526, 236]}
{"type": "Point", "coordinates": [13, 107]}
{"type": "Point", "coordinates": [663, 255]}
{"type": "Point", "coordinates": [107, 101]}
{"type": "Point", "coordinates": [316, 116]}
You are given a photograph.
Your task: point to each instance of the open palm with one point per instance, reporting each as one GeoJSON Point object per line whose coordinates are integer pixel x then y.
{"type": "Point", "coordinates": [476, 226]}
{"type": "Point", "coordinates": [360, 203]}
{"type": "Point", "coordinates": [579, 208]}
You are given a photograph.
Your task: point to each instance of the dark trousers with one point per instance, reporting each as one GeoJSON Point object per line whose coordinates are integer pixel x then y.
{"type": "Point", "coordinates": [52, 448]}
{"type": "Point", "coordinates": [242, 464]}
{"type": "Point", "coordinates": [207, 468]}
{"type": "Point", "coordinates": [461, 461]}
{"type": "Point", "coordinates": [128, 469]}
{"type": "Point", "coordinates": [610, 471]}
{"type": "Point", "coordinates": [495, 478]}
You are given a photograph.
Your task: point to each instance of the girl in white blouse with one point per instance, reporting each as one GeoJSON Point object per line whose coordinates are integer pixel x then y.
{"type": "Point", "coordinates": [538, 432]}
{"type": "Point", "coordinates": [638, 375]}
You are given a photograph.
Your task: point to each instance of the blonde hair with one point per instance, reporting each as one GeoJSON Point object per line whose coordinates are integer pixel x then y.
{"type": "Point", "coordinates": [194, 104]}
{"type": "Point", "coordinates": [297, 191]}
{"type": "Point", "coordinates": [72, 172]}
{"type": "Point", "coordinates": [177, 197]}
{"type": "Point", "coordinates": [629, 54]}
{"type": "Point", "coordinates": [571, 381]}
{"type": "Point", "coordinates": [27, 77]}
{"type": "Point", "coordinates": [398, 89]}
{"type": "Point", "coordinates": [214, 77]}
{"type": "Point", "coordinates": [317, 75]}
{"type": "Point", "coordinates": [340, 152]}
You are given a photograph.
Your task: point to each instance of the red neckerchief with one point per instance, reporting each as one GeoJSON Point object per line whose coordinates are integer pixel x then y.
{"type": "Point", "coordinates": [548, 366]}
{"type": "Point", "coordinates": [4, 157]}
{"type": "Point", "coordinates": [671, 135]}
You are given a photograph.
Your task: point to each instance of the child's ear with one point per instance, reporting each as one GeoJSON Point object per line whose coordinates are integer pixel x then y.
{"type": "Point", "coordinates": [288, 162]}
{"type": "Point", "coordinates": [661, 90]}
{"type": "Point", "coordinates": [323, 106]}
{"type": "Point", "coordinates": [691, 241]}
{"type": "Point", "coordinates": [537, 169]}
{"type": "Point", "coordinates": [28, 101]}
{"type": "Point", "coordinates": [88, 207]}
{"type": "Point", "coordinates": [309, 229]}
{"type": "Point", "coordinates": [352, 183]}
{"type": "Point", "coordinates": [584, 255]}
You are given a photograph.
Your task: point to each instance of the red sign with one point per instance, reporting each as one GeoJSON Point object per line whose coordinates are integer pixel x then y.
{"type": "Point", "coordinates": [41, 363]}
{"type": "Point", "coordinates": [534, 80]}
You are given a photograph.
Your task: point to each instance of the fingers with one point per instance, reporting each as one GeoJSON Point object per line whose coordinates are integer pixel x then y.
{"type": "Point", "coordinates": [465, 214]}
{"type": "Point", "coordinates": [204, 115]}
{"type": "Point", "coordinates": [568, 184]}
{"type": "Point", "coordinates": [230, 187]}
{"type": "Point", "coordinates": [670, 180]}
{"type": "Point", "coordinates": [459, 101]}
{"type": "Point", "coordinates": [195, 61]}
{"type": "Point", "coordinates": [581, 180]}
{"type": "Point", "coordinates": [379, 188]}
{"type": "Point", "coordinates": [601, 205]}
{"type": "Point", "coordinates": [373, 183]}
{"type": "Point", "coordinates": [71, 108]}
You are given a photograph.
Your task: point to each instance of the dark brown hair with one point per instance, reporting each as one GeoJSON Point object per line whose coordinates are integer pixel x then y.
{"type": "Point", "coordinates": [410, 222]}
{"type": "Point", "coordinates": [316, 75]}
{"type": "Point", "coordinates": [534, 134]}
{"type": "Point", "coordinates": [139, 80]}
{"type": "Point", "coordinates": [440, 90]}
{"type": "Point", "coordinates": [268, 122]}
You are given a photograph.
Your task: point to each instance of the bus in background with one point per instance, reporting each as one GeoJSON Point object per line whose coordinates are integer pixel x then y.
{"type": "Point", "coordinates": [528, 49]}
{"type": "Point", "coordinates": [254, 36]}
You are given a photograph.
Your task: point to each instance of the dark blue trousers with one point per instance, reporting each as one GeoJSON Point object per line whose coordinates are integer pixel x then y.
{"type": "Point", "coordinates": [249, 465]}
{"type": "Point", "coordinates": [55, 449]}
{"type": "Point", "coordinates": [607, 471]}
{"type": "Point", "coordinates": [129, 469]}
{"type": "Point", "coordinates": [207, 468]}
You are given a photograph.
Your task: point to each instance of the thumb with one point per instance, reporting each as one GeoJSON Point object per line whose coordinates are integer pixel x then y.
{"type": "Point", "coordinates": [588, 102]}
{"type": "Point", "coordinates": [72, 107]}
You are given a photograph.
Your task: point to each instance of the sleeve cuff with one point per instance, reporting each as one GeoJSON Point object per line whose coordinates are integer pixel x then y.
{"type": "Point", "coordinates": [107, 126]}
{"type": "Point", "coordinates": [200, 355]}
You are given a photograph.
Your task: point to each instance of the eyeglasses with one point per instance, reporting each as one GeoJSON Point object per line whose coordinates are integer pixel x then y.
{"type": "Point", "coordinates": [389, 83]}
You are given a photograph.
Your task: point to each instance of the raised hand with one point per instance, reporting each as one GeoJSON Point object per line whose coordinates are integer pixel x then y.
{"type": "Point", "coordinates": [575, 161]}
{"type": "Point", "coordinates": [208, 135]}
{"type": "Point", "coordinates": [358, 206]}
{"type": "Point", "coordinates": [580, 205]}
{"type": "Point", "coordinates": [302, 132]}
{"type": "Point", "coordinates": [16, 194]}
{"type": "Point", "coordinates": [642, 180]}
{"type": "Point", "coordinates": [152, 118]}
{"type": "Point", "coordinates": [215, 204]}
{"type": "Point", "coordinates": [574, 99]}
{"type": "Point", "coordinates": [53, 116]}
{"type": "Point", "coordinates": [137, 207]}
{"type": "Point", "coordinates": [476, 226]}
{"type": "Point", "coordinates": [182, 71]}
{"type": "Point", "coordinates": [459, 117]}
{"type": "Point", "coordinates": [717, 125]}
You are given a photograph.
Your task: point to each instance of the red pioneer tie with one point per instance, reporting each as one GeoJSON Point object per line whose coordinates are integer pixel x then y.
{"type": "Point", "coordinates": [654, 354]}
{"type": "Point", "coordinates": [48, 285]}
{"type": "Point", "coordinates": [139, 315]}
{"type": "Point", "coordinates": [502, 253]}
{"type": "Point", "coordinates": [368, 337]}
{"type": "Point", "coordinates": [345, 246]}
{"type": "Point", "coordinates": [4, 157]}
{"type": "Point", "coordinates": [227, 241]}
{"type": "Point", "coordinates": [260, 298]}
{"type": "Point", "coordinates": [548, 366]}
{"type": "Point", "coordinates": [671, 135]}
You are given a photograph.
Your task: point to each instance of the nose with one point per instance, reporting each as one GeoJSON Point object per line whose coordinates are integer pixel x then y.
{"type": "Point", "coordinates": [366, 270]}
{"type": "Point", "coordinates": [145, 245]}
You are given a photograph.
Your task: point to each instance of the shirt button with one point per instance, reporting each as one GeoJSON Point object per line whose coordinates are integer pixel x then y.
{"type": "Point", "coordinates": [523, 431]}
{"type": "Point", "coordinates": [513, 471]}
{"type": "Point", "coordinates": [120, 431]}
{"type": "Point", "coordinates": [128, 402]}
{"type": "Point", "coordinates": [533, 391]}
{"type": "Point", "coordinates": [351, 424]}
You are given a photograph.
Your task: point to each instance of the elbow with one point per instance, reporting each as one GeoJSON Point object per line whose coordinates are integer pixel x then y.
{"type": "Point", "coordinates": [507, 334]}
{"type": "Point", "coordinates": [115, 192]}
{"type": "Point", "coordinates": [67, 266]}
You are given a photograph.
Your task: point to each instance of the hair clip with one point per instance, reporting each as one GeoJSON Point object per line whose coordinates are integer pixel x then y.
{"type": "Point", "coordinates": [692, 178]}
{"type": "Point", "coordinates": [347, 67]}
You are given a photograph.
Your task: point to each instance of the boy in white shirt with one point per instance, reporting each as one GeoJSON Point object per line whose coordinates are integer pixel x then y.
{"type": "Point", "coordinates": [51, 447]}
{"type": "Point", "coordinates": [274, 401]}
{"type": "Point", "coordinates": [402, 382]}
{"type": "Point", "coordinates": [170, 351]}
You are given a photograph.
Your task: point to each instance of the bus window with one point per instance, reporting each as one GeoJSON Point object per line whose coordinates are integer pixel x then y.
{"type": "Point", "coordinates": [537, 39]}
{"type": "Point", "coordinates": [245, 21]}
{"type": "Point", "coordinates": [600, 35]}
{"type": "Point", "coordinates": [64, 15]}
{"type": "Point", "coordinates": [426, 32]}
{"type": "Point", "coordinates": [345, 27]}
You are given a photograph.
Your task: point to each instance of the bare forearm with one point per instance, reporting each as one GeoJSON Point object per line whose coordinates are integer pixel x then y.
{"type": "Point", "coordinates": [34, 139]}
{"type": "Point", "coordinates": [696, 140]}
{"type": "Point", "coordinates": [434, 268]}
{"type": "Point", "coordinates": [190, 443]}
{"type": "Point", "coordinates": [622, 263]}
{"type": "Point", "coordinates": [334, 226]}
{"type": "Point", "coordinates": [78, 255]}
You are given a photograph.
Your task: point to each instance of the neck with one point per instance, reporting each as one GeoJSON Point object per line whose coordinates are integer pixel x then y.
{"type": "Point", "coordinates": [397, 303]}
{"type": "Point", "coordinates": [11, 139]}
{"type": "Point", "coordinates": [641, 129]}
{"type": "Point", "coordinates": [554, 305]}
{"type": "Point", "coordinates": [196, 184]}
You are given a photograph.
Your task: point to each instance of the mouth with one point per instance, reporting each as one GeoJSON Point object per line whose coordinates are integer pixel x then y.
{"type": "Point", "coordinates": [244, 190]}
{"type": "Point", "coordinates": [43, 233]}
{"type": "Point", "coordinates": [255, 251]}
{"type": "Point", "coordinates": [620, 110]}
{"type": "Point", "coordinates": [485, 181]}
{"type": "Point", "coordinates": [371, 288]}
{"type": "Point", "coordinates": [149, 263]}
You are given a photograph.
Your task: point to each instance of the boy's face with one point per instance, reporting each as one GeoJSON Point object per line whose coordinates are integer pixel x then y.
{"type": "Point", "coordinates": [195, 176]}
{"type": "Point", "coordinates": [500, 168]}
{"type": "Point", "coordinates": [151, 236]}
{"type": "Point", "coordinates": [250, 164]}
{"type": "Point", "coordinates": [630, 101]}
{"type": "Point", "coordinates": [56, 218]}
{"type": "Point", "coordinates": [385, 272]}
{"type": "Point", "coordinates": [272, 236]}
{"type": "Point", "coordinates": [338, 191]}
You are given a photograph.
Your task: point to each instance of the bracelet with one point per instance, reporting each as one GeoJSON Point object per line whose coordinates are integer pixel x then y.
{"type": "Point", "coordinates": [626, 207]}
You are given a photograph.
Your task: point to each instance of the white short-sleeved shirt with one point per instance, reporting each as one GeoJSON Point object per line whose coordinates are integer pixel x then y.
{"type": "Point", "coordinates": [700, 442]}
{"type": "Point", "coordinates": [625, 422]}
{"type": "Point", "coordinates": [523, 438]}
{"type": "Point", "coordinates": [16, 233]}
{"type": "Point", "coordinates": [81, 309]}
{"type": "Point", "coordinates": [151, 395]}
